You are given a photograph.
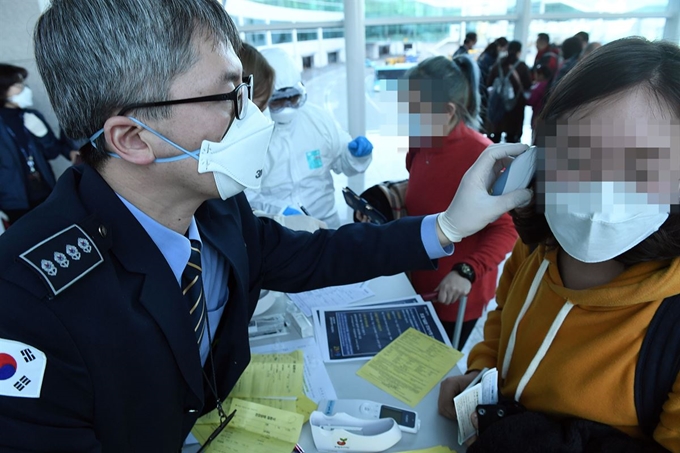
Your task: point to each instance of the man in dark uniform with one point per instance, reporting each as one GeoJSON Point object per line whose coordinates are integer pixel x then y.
{"type": "Point", "coordinates": [125, 297]}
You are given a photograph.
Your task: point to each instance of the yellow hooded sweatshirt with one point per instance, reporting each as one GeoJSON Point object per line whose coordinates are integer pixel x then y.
{"type": "Point", "coordinates": [588, 370]}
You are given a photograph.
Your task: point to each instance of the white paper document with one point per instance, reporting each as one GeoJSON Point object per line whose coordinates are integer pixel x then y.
{"type": "Point", "coordinates": [332, 296]}
{"type": "Point", "coordinates": [317, 383]}
{"type": "Point", "coordinates": [485, 392]}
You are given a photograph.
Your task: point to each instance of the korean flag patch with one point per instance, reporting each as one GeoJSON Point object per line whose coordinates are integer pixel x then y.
{"type": "Point", "coordinates": [22, 368]}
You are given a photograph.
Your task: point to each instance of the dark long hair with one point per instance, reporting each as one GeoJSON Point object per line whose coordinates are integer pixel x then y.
{"type": "Point", "coordinates": [610, 70]}
{"type": "Point", "coordinates": [9, 75]}
{"type": "Point", "coordinates": [493, 48]}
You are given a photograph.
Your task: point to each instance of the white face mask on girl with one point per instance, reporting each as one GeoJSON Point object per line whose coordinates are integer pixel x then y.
{"type": "Point", "coordinates": [237, 160]}
{"type": "Point", "coordinates": [601, 220]}
{"type": "Point", "coordinates": [23, 99]}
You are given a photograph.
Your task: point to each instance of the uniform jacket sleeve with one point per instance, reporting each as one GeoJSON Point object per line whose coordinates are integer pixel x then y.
{"type": "Point", "coordinates": [292, 261]}
{"type": "Point", "coordinates": [263, 203]}
{"type": "Point", "coordinates": [58, 419]}
{"type": "Point", "coordinates": [485, 353]}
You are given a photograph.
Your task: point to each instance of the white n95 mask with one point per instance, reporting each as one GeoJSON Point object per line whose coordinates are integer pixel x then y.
{"type": "Point", "coordinates": [23, 99]}
{"type": "Point", "coordinates": [601, 220]}
{"type": "Point", "coordinates": [237, 161]}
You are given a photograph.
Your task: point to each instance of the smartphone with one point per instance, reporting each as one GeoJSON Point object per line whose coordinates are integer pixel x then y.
{"type": "Point", "coordinates": [357, 203]}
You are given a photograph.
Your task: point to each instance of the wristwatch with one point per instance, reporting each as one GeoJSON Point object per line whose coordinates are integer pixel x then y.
{"type": "Point", "coordinates": [465, 271]}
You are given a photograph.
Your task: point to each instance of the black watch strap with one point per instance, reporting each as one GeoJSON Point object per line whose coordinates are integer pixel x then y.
{"type": "Point", "coordinates": [465, 270]}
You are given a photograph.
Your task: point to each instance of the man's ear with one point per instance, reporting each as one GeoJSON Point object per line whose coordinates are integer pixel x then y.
{"type": "Point", "coordinates": [124, 138]}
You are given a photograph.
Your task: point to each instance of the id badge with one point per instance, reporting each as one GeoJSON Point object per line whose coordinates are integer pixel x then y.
{"type": "Point", "coordinates": [314, 159]}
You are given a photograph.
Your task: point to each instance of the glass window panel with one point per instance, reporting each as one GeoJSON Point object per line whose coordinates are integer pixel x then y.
{"type": "Point", "coordinates": [406, 8]}
{"type": "Point", "coordinates": [331, 33]}
{"type": "Point", "coordinates": [598, 6]}
{"type": "Point", "coordinates": [438, 8]}
{"type": "Point", "coordinates": [256, 39]}
{"type": "Point", "coordinates": [315, 5]}
{"type": "Point", "coordinates": [307, 35]}
{"type": "Point", "coordinates": [600, 30]}
{"type": "Point", "coordinates": [281, 37]}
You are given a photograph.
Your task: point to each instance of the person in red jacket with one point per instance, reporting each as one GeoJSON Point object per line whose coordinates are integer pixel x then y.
{"type": "Point", "coordinates": [444, 143]}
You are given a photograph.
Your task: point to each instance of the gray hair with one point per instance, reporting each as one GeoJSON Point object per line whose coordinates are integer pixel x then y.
{"type": "Point", "coordinates": [97, 56]}
{"type": "Point", "coordinates": [442, 80]}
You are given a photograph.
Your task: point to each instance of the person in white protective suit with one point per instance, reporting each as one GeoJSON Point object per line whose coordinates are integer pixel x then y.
{"type": "Point", "coordinates": [306, 145]}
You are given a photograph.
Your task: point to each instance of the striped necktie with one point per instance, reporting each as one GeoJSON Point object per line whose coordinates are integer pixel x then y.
{"type": "Point", "coordinates": [192, 288]}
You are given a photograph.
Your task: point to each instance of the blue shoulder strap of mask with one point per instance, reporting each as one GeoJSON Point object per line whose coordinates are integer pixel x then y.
{"type": "Point", "coordinates": [658, 364]}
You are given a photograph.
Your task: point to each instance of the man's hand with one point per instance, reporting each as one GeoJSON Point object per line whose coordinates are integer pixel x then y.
{"type": "Point", "coordinates": [449, 388]}
{"type": "Point", "coordinates": [472, 208]}
{"type": "Point", "coordinates": [360, 147]}
{"type": "Point", "coordinates": [452, 287]}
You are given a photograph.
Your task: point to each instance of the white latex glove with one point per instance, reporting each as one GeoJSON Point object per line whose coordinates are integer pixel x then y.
{"type": "Point", "coordinates": [472, 208]}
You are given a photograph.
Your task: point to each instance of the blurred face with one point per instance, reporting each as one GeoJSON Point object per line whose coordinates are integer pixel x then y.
{"type": "Point", "coordinates": [15, 89]}
{"type": "Point", "coordinates": [540, 44]}
{"type": "Point", "coordinates": [420, 114]}
{"type": "Point", "coordinates": [627, 146]}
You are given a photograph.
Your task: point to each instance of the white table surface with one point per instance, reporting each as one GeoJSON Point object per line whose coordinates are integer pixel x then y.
{"type": "Point", "coordinates": [434, 429]}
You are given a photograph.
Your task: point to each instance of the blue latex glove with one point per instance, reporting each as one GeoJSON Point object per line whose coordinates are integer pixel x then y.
{"type": "Point", "coordinates": [360, 147]}
{"type": "Point", "coordinates": [291, 211]}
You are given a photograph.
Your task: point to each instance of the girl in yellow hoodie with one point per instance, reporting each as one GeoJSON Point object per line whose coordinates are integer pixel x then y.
{"type": "Point", "coordinates": [599, 248]}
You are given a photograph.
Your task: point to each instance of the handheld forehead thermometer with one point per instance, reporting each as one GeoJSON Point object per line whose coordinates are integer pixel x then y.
{"type": "Point", "coordinates": [407, 420]}
{"type": "Point", "coordinates": [517, 174]}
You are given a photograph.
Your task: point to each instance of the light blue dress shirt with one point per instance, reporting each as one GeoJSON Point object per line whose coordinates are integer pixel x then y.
{"type": "Point", "coordinates": [176, 249]}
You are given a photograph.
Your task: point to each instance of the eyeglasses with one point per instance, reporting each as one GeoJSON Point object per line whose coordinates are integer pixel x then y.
{"type": "Point", "coordinates": [241, 94]}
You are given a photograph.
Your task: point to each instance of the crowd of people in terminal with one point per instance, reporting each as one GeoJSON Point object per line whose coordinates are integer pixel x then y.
{"type": "Point", "coordinates": [205, 177]}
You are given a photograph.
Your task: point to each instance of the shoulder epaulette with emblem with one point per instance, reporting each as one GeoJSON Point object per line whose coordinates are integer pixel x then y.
{"type": "Point", "coordinates": [64, 258]}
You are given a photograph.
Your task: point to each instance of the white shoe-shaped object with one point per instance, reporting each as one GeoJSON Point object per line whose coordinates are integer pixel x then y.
{"type": "Point", "coordinates": [342, 432]}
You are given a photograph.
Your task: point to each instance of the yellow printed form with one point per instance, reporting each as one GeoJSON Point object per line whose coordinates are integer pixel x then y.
{"type": "Point", "coordinates": [271, 386]}
{"type": "Point", "coordinates": [255, 428]}
{"type": "Point", "coordinates": [271, 375]}
{"type": "Point", "coordinates": [410, 366]}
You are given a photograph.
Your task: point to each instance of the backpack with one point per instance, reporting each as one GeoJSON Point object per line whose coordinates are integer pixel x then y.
{"type": "Point", "coordinates": [502, 97]}
{"type": "Point", "coordinates": [658, 364]}
{"type": "Point", "coordinates": [388, 198]}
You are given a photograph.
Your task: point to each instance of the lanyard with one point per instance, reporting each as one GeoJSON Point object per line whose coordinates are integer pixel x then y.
{"type": "Point", "coordinates": [547, 341]}
{"type": "Point", "coordinates": [28, 157]}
